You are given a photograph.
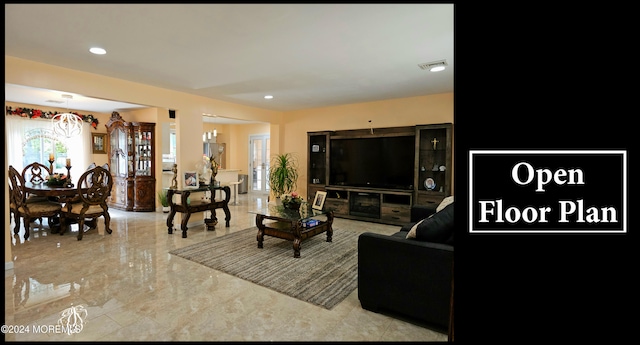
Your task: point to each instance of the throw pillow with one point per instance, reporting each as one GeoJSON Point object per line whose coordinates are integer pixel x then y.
{"type": "Point", "coordinates": [413, 226]}
{"type": "Point", "coordinates": [446, 201]}
{"type": "Point", "coordinates": [412, 231]}
{"type": "Point", "coordinates": [436, 228]}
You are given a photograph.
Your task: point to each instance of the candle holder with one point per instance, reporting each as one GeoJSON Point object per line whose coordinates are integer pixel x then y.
{"type": "Point", "coordinates": [51, 165]}
{"type": "Point", "coordinates": [68, 184]}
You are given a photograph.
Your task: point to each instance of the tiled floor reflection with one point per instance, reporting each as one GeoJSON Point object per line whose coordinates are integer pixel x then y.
{"type": "Point", "coordinates": [132, 289]}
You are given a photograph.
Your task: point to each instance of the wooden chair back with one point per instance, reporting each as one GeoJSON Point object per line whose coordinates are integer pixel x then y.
{"type": "Point", "coordinates": [17, 195]}
{"type": "Point", "coordinates": [14, 180]}
{"type": "Point", "coordinates": [36, 173]}
{"type": "Point", "coordinates": [28, 211]}
{"type": "Point", "coordinates": [99, 182]}
{"type": "Point", "coordinates": [93, 165]}
{"type": "Point", "coordinates": [94, 187]}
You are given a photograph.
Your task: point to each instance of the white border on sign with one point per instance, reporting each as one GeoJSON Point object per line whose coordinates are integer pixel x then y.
{"type": "Point", "coordinates": [550, 152]}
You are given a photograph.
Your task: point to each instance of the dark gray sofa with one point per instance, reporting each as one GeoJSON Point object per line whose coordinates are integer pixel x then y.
{"type": "Point", "coordinates": [409, 277]}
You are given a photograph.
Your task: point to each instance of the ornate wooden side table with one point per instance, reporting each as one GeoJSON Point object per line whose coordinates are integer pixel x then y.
{"type": "Point", "coordinates": [187, 208]}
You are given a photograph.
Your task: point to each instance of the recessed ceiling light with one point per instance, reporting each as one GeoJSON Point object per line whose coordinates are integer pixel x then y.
{"type": "Point", "coordinates": [435, 66]}
{"type": "Point", "coordinates": [98, 51]}
{"type": "Point", "coordinates": [268, 97]}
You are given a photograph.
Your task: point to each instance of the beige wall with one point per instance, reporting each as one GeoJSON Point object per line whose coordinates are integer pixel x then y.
{"type": "Point", "coordinates": [288, 130]}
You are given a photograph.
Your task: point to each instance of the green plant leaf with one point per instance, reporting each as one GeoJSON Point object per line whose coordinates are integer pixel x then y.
{"type": "Point", "coordinates": [283, 174]}
{"type": "Point", "coordinates": [162, 197]}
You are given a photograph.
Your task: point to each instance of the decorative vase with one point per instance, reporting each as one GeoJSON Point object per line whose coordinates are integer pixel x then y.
{"type": "Point", "coordinates": [166, 209]}
{"type": "Point", "coordinates": [292, 206]}
{"type": "Point", "coordinates": [56, 183]}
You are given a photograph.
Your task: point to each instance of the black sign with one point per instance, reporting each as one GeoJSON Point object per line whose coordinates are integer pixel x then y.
{"type": "Point", "coordinates": [549, 191]}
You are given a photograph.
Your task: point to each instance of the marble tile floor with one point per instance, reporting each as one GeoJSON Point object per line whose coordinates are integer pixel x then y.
{"type": "Point", "coordinates": [132, 289]}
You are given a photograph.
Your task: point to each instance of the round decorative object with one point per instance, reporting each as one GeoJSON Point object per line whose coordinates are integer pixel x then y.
{"type": "Point", "coordinates": [443, 168]}
{"type": "Point", "coordinates": [430, 184]}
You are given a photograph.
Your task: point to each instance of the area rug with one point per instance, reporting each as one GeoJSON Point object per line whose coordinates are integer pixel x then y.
{"type": "Point", "coordinates": [324, 274]}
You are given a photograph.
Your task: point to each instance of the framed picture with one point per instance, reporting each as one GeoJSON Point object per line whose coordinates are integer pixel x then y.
{"type": "Point", "coordinates": [318, 201]}
{"type": "Point", "coordinates": [190, 180]}
{"type": "Point", "coordinates": [99, 142]}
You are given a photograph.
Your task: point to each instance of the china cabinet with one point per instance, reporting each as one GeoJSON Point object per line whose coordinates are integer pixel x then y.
{"type": "Point", "coordinates": [132, 163]}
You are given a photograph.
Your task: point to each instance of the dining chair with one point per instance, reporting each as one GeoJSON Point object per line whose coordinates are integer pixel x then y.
{"type": "Point", "coordinates": [28, 211]}
{"type": "Point", "coordinates": [13, 210]}
{"type": "Point", "coordinates": [91, 166]}
{"type": "Point", "coordinates": [36, 173]}
{"type": "Point", "coordinates": [94, 186]}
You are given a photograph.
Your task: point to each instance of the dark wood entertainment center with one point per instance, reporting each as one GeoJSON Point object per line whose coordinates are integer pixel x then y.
{"type": "Point", "coordinates": [431, 174]}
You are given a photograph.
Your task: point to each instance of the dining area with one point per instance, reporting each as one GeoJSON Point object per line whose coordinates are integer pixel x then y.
{"type": "Point", "coordinates": [37, 194]}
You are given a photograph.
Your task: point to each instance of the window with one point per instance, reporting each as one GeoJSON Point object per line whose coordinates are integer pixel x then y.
{"type": "Point", "coordinates": [39, 143]}
{"type": "Point", "coordinates": [172, 143]}
{"type": "Point", "coordinates": [32, 140]}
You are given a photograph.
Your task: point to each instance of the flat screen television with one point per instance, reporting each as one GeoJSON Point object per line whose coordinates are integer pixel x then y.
{"type": "Point", "coordinates": [377, 162]}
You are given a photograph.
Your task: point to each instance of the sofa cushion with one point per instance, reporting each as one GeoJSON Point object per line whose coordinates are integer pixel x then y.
{"type": "Point", "coordinates": [437, 228]}
{"type": "Point", "coordinates": [407, 227]}
{"type": "Point", "coordinates": [400, 234]}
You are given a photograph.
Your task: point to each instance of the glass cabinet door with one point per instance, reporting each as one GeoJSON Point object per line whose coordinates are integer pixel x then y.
{"type": "Point", "coordinates": [118, 157]}
{"type": "Point", "coordinates": [433, 159]}
{"type": "Point", "coordinates": [143, 152]}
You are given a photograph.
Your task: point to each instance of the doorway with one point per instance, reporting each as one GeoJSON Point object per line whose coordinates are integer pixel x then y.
{"type": "Point", "coordinates": [259, 154]}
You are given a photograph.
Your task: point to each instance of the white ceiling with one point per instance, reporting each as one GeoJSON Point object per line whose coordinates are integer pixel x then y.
{"type": "Point", "coordinates": [305, 55]}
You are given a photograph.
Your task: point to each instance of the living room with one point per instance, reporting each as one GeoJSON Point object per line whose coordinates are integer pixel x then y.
{"type": "Point", "coordinates": [287, 129]}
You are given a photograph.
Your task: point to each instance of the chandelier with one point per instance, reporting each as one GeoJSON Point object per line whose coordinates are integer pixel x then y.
{"type": "Point", "coordinates": [67, 124]}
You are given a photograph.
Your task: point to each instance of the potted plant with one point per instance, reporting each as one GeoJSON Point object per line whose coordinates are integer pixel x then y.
{"type": "Point", "coordinates": [283, 174]}
{"type": "Point", "coordinates": [292, 201]}
{"type": "Point", "coordinates": [164, 201]}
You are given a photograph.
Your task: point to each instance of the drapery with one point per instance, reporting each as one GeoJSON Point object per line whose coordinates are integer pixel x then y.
{"type": "Point", "coordinates": [78, 147]}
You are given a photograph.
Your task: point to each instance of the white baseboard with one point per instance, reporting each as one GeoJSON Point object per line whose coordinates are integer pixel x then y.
{"type": "Point", "coordinates": [8, 265]}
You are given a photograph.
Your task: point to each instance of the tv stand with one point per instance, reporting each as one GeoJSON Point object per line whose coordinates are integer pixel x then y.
{"type": "Point", "coordinates": [387, 201]}
{"type": "Point", "coordinates": [370, 204]}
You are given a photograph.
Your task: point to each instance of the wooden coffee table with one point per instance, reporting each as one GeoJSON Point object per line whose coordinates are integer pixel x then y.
{"type": "Point", "coordinates": [290, 225]}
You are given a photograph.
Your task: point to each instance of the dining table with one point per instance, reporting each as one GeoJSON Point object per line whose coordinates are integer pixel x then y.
{"type": "Point", "coordinates": [58, 193]}
{"type": "Point", "coordinates": [43, 189]}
